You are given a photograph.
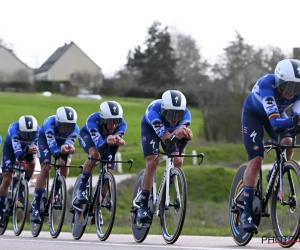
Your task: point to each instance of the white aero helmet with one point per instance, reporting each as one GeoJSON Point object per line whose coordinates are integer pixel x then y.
{"type": "Point", "coordinates": [173, 105]}
{"type": "Point", "coordinates": [287, 76]}
{"type": "Point", "coordinates": [111, 112]}
{"type": "Point", "coordinates": [28, 127]}
{"type": "Point", "coordinates": [66, 119]}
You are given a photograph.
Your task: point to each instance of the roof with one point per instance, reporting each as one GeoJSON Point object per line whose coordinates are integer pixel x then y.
{"type": "Point", "coordinates": [14, 55]}
{"type": "Point", "coordinates": [55, 56]}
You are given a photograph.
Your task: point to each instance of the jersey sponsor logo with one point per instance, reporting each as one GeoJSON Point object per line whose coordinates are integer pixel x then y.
{"type": "Point", "coordinates": [49, 134]}
{"type": "Point", "coordinates": [176, 98]}
{"type": "Point", "coordinates": [269, 100]}
{"type": "Point", "coordinates": [253, 134]}
{"type": "Point", "coordinates": [296, 68]}
{"type": "Point", "coordinates": [69, 114]}
{"type": "Point", "coordinates": [114, 109]}
{"type": "Point", "coordinates": [28, 122]}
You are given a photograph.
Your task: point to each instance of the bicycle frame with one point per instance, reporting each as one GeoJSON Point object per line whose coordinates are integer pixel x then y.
{"type": "Point", "coordinates": [92, 197]}
{"type": "Point", "coordinates": [277, 167]}
{"type": "Point", "coordinates": [47, 198]}
{"type": "Point", "coordinates": [166, 178]}
{"type": "Point", "coordinates": [11, 196]}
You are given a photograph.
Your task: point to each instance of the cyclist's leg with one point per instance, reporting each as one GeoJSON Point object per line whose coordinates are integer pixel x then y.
{"type": "Point", "coordinates": [45, 158]}
{"type": "Point", "coordinates": [30, 162]}
{"type": "Point", "coordinates": [64, 160]}
{"type": "Point", "coordinates": [8, 160]}
{"type": "Point", "coordinates": [286, 140]}
{"type": "Point", "coordinates": [178, 161]}
{"type": "Point", "coordinates": [109, 155]}
{"type": "Point", "coordinates": [88, 145]}
{"type": "Point", "coordinates": [253, 132]}
{"type": "Point", "coordinates": [150, 142]}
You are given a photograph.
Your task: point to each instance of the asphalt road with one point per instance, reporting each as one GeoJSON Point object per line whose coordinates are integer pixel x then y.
{"type": "Point", "coordinates": [123, 242]}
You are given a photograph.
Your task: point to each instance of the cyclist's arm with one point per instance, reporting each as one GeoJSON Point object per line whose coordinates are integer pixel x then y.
{"type": "Point", "coordinates": [121, 129]}
{"type": "Point", "coordinates": [186, 121]}
{"type": "Point", "coordinates": [19, 153]}
{"type": "Point", "coordinates": [71, 139]}
{"type": "Point", "coordinates": [154, 120]}
{"type": "Point", "coordinates": [93, 128]}
{"type": "Point", "coordinates": [296, 107]}
{"type": "Point", "coordinates": [51, 141]}
{"type": "Point", "coordinates": [271, 109]}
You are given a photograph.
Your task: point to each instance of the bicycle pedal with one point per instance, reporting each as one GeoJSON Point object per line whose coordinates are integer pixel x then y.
{"type": "Point", "coordinates": [265, 214]}
{"type": "Point", "coordinates": [145, 225]}
{"type": "Point", "coordinates": [234, 210]}
{"type": "Point", "coordinates": [72, 210]}
{"type": "Point", "coordinates": [93, 221]}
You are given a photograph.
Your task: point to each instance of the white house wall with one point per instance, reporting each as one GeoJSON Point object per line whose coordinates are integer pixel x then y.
{"type": "Point", "coordinates": [10, 66]}
{"type": "Point", "coordinates": [71, 61]}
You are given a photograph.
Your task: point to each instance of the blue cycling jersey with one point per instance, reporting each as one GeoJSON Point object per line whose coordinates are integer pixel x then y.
{"type": "Point", "coordinates": [266, 100]}
{"type": "Point", "coordinates": [161, 126]}
{"type": "Point", "coordinates": [18, 143]}
{"type": "Point", "coordinates": [98, 132]}
{"type": "Point", "coordinates": [54, 137]}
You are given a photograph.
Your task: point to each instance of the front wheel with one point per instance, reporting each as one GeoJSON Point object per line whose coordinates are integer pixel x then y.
{"type": "Point", "coordinates": [172, 214]}
{"type": "Point", "coordinates": [20, 207]}
{"type": "Point", "coordinates": [105, 208]}
{"type": "Point", "coordinates": [139, 232]}
{"type": "Point", "coordinates": [240, 237]}
{"type": "Point", "coordinates": [36, 228]}
{"type": "Point", "coordinates": [286, 215]}
{"type": "Point", "coordinates": [57, 207]}
{"type": "Point", "coordinates": [6, 213]}
{"type": "Point", "coordinates": [79, 218]}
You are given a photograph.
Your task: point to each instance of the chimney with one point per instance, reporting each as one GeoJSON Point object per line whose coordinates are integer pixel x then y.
{"type": "Point", "coordinates": [296, 53]}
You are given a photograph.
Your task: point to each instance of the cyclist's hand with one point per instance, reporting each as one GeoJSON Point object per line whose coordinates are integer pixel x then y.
{"type": "Point", "coordinates": [71, 149]}
{"type": "Point", "coordinates": [296, 120]}
{"type": "Point", "coordinates": [32, 150]}
{"type": "Point", "coordinates": [64, 149]}
{"type": "Point", "coordinates": [111, 140]}
{"type": "Point", "coordinates": [190, 133]}
{"type": "Point", "coordinates": [183, 133]}
{"type": "Point", "coordinates": [120, 141]}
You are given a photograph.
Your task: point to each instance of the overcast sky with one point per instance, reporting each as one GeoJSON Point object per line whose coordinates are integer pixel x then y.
{"type": "Point", "coordinates": [106, 29]}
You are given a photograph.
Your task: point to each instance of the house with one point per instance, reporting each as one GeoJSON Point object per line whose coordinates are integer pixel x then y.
{"type": "Point", "coordinates": [70, 63]}
{"type": "Point", "coordinates": [12, 69]}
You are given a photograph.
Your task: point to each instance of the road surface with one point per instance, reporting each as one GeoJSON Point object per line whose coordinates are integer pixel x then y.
{"type": "Point", "coordinates": [124, 242]}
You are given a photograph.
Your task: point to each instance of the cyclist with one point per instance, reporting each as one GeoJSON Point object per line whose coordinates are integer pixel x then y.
{"type": "Point", "coordinates": [21, 144]}
{"type": "Point", "coordinates": [57, 137]}
{"type": "Point", "coordinates": [163, 119]}
{"type": "Point", "coordinates": [265, 108]}
{"type": "Point", "coordinates": [101, 136]}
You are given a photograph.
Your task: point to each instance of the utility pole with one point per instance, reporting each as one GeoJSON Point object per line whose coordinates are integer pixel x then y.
{"type": "Point", "coordinates": [296, 53]}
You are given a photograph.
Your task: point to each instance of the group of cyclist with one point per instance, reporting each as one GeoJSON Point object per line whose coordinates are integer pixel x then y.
{"type": "Point", "coordinates": [100, 137]}
{"type": "Point", "coordinates": [102, 134]}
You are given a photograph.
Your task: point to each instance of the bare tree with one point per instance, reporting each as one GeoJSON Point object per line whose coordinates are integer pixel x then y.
{"type": "Point", "coordinates": [87, 80]}
{"type": "Point", "coordinates": [191, 68]}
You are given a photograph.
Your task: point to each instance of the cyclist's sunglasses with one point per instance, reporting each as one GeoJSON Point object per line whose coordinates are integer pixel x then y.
{"type": "Point", "coordinates": [291, 88]}
{"type": "Point", "coordinates": [173, 115]}
{"type": "Point", "coordinates": [112, 121]}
